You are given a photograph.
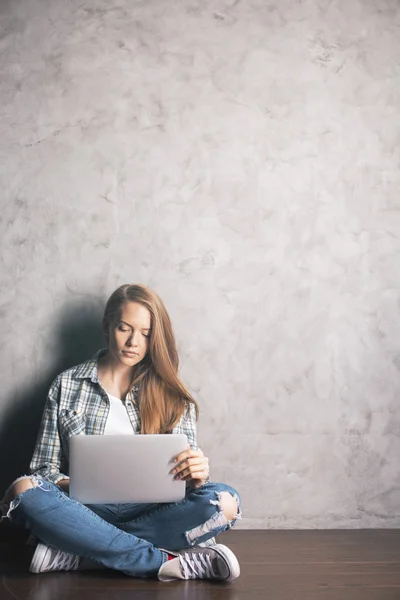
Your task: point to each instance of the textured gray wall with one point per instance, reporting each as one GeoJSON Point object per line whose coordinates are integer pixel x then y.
{"type": "Point", "coordinates": [241, 158]}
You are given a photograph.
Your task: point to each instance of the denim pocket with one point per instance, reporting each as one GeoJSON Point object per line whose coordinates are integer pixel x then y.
{"type": "Point", "coordinates": [71, 422]}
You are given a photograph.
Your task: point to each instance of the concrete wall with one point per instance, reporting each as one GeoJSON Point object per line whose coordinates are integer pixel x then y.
{"type": "Point", "coordinates": [241, 158]}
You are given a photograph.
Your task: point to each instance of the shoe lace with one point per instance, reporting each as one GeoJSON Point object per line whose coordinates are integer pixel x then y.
{"type": "Point", "coordinates": [197, 566]}
{"type": "Point", "coordinates": [63, 561]}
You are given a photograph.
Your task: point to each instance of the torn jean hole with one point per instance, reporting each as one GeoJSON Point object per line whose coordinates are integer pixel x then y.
{"type": "Point", "coordinates": [8, 507]}
{"type": "Point", "coordinates": [215, 524]}
{"type": "Point", "coordinates": [218, 503]}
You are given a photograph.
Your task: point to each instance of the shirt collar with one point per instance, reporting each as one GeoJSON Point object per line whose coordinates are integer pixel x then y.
{"type": "Point", "coordinates": [88, 369]}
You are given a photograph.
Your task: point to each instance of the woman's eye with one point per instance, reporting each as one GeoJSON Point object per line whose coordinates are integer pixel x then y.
{"type": "Point", "coordinates": [123, 329]}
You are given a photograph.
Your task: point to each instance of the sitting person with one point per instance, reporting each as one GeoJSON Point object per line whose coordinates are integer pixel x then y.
{"type": "Point", "coordinates": [132, 386]}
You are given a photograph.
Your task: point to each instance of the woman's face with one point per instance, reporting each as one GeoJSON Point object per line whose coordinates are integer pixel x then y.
{"type": "Point", "coordinates": [128, 336]}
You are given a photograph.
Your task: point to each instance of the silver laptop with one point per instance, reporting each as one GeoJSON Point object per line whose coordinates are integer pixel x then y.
{"type": "Point", "coordinates": [106, 469]}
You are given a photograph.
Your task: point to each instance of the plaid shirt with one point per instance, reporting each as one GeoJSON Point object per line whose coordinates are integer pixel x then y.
{"type": "Point", "coordinates": [77, 403]}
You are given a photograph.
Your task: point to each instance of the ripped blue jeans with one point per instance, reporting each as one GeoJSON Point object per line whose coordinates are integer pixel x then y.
{"type": "Point", "coordinates": [132, 538]}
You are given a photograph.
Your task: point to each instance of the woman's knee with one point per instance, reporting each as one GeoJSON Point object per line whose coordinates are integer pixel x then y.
{"type": "Point", "coordinates": [20, 485]}
{"type": "Point", "coordinates": [225, 497]}
{"type": "Point", "coordinates": [229, 505]}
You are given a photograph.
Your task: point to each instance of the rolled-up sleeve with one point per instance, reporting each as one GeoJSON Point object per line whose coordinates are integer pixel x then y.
{"type": "Point", "coordinates": [188, 426]}
{"type": "Point", "coordinates": [47, 456]}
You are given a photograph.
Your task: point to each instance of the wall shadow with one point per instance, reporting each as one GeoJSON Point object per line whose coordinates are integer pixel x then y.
{"type": "Point", "coordinates": [78, 336]}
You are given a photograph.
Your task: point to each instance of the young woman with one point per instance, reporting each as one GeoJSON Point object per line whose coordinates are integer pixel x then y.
{"type": "Point", "coordinates": [132, 386]}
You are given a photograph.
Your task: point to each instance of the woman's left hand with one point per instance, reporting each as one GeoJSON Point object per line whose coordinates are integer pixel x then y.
{"type": "Point", "coordinates": [192, 466]}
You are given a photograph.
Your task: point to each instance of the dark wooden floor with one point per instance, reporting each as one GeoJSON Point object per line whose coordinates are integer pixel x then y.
{"type": "Point", "coordinates": [285, 565]}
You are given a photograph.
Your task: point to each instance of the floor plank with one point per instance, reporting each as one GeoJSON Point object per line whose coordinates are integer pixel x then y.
{"type": "Point", "coordinates": [286, 565]}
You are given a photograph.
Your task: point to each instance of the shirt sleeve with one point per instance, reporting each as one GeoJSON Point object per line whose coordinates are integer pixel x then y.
{"type": "Point", "coordinates": [47, 455]}
{"type": "Point", "coordinates": [189, 427]}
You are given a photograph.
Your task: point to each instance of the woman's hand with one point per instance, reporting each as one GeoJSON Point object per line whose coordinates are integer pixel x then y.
{"type": "Point", "coordinates": [64, 485]}
{"type": "Point", "coordinates": [191, 466]}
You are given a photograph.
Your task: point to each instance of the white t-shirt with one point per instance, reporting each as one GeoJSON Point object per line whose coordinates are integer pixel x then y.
{"type": "Point", "coordinates": [118, 422]}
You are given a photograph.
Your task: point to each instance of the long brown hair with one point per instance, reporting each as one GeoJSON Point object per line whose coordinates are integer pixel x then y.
{"type": "Point", "coordinates": [163, 396]}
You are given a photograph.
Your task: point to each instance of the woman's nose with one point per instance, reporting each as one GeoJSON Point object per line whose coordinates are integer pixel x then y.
{"type": "Point", "coordinates": [132, 340]}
